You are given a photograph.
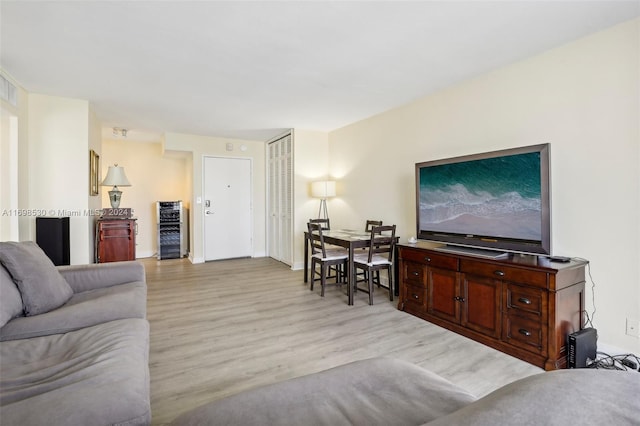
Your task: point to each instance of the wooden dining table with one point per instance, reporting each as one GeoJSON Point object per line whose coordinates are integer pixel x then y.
{"type": "Point", "coordinates": [347, 238]}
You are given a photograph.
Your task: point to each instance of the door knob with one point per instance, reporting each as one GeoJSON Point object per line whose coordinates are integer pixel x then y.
{"type": "Point", "coordinates": [208, 212]}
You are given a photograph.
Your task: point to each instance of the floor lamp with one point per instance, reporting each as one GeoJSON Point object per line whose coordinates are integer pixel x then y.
{"type": "Point", "coordinates": [323, 190]}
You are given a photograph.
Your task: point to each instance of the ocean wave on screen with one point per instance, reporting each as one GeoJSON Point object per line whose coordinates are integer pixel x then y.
{"type": "Point", "coordinates": [456, 200]}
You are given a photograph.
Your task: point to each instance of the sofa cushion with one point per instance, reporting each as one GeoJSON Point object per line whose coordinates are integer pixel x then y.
{"type": "Point", "coordinates": [95, 376]}
{"type": "Point", "coordinates": [82, 310]}
{"type": "Point", "coordinates": [563, 397]}
{"type": "Point", "coordinates": [378, 391]}
{"type": "Point", "coordinates": [41, 286]}
{"type": "Point", "coordinates": [10, 300]}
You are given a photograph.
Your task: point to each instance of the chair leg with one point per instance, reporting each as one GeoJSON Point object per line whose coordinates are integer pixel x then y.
{"type": "Point", "coordinates": [341, 277]}
{"type": "Point", "coordinates": [313, 273]}
{"type": "Point", "coordinates": [390, 283]}
{"type": "Point", "coordinates": [370, 288]}
{"type": "Point", "coordinates": [355, 277]}
{"type": "Point", "coordinates": [323, 279]}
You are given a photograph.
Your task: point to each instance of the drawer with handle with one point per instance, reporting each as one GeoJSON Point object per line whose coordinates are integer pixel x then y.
{"type": "Point", "coordinates": [524, 299]}
{"type": "Point", "coordinates": [524, 333]}
{"type": "Point", "coordinates": [505, 273]}
{"type": "Point", "coordinates": [415, 273]}
{"type": "Point", "coordinates": [415, 298]}
{"type": "Point", "coordinates": [429, 258]}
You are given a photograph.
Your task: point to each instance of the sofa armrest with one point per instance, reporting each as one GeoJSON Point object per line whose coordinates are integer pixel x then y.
{"type": "Point", "coordinates": [89, 277]}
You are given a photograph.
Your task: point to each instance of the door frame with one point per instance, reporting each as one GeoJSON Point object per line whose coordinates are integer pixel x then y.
{"type": "Point", "coordinates": [202, 210]}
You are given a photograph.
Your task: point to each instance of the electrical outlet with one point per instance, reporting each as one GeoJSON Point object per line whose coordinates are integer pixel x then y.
{"type": "Point", "coordinates": [633, 327]}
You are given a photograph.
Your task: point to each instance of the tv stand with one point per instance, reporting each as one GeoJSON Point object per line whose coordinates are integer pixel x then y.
{"type": "Point", "coordinates": [472, 251]}
{"type": "Point", "coordinates": [523, 305]}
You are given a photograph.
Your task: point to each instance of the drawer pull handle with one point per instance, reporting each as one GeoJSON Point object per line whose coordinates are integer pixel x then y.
{"type": "Point", "coordinates": [416, 274]}
{"type": "Point", "coordinates": [415, 296]}
{"type": "Point", "coordinates": [427, 259]}
{"type": "Point", "coordinates": [458, 298]}
{"type": "Point", "coordinates": [524, 332]}
{"type": "Point", "coordinates": [524, 300]}
{"type": "Point", "coordinates": [499, 273]}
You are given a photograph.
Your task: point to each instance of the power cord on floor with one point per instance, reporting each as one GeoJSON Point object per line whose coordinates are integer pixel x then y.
{"type": "Point", "coordinates": [622, 362]}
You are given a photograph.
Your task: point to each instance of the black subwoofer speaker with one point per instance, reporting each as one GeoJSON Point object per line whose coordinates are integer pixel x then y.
{"type": "Point", "coordinates": [52, 235]}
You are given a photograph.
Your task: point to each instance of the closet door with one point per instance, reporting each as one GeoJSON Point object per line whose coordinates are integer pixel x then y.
{"type": "Point", "coordinates": [280, 190]}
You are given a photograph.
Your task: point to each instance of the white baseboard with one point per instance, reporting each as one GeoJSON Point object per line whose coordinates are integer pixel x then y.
{"type": "Point", "coordinates": [144, 254]}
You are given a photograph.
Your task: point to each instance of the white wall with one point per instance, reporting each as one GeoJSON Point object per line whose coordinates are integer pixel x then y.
{"type": "Point", "coordinates": [8, 173]}
{"type": "Point", "coordinates": [154, 176]}
{"type": "Point", "coordinates": [583, 99]}
{"type": "Point", "coordinates": [310, 164]}
{"type": "Point", "coordinates": [58, 167]}
{"type": "Point", "coordinates": [94, 201]}
{"type": "Point", "coordinates": [200, 146]}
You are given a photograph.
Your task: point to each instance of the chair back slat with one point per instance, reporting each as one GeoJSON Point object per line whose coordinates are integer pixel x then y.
{"type": "Point", "coordinates": [316, 239]}
{"type": "Point", "coordinates": [383, 240]}
{"type": "Point", "coordinates": [371, 223]}
{"type": "Point", "coordinates": [326, 226]}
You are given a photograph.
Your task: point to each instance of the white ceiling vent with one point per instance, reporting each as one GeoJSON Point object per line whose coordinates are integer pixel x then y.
{"type": "Point", "coordinates": [8, 91]}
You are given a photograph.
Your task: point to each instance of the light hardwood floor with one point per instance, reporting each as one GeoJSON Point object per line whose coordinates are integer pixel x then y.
{"type": "Point", "coordinates": [219, 328]}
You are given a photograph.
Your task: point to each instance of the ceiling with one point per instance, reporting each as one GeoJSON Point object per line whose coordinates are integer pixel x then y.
{"type": "Point", "coordinates": [250, 70]}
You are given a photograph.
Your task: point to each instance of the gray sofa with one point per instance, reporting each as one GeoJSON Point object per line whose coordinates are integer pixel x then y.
{"type": "Point", "coordinates": [74, 341]}
{"type": "Point", "coordinates": [384, 391]}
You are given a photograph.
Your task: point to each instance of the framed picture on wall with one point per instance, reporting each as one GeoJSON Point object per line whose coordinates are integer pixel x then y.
{"type": "Point", "coordinates": [94, 173]}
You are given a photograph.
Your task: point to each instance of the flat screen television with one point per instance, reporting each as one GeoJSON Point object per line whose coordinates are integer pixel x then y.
{"type": "Point", "coordinates": [497, 201]}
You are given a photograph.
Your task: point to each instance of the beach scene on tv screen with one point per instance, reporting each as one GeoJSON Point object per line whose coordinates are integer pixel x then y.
{"type": "Point", "coordinates": [498, 197]}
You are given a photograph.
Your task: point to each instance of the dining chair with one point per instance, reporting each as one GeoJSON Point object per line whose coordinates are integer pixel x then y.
{"type": "Point", "coordinates": [326, 226]}
{"type": "Point", "coordinates": [326, 258]}
{"type": "Point", "coordinates": [367, 228]}
{"type": "Point", "coordinates": [379, 256]}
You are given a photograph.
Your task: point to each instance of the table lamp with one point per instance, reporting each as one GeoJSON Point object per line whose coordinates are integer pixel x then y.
{"type": "Point", "coordinates": [115, 177]}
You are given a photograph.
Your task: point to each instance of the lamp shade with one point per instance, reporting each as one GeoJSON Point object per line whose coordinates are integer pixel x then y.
{"type": "Point", "coordinates": [116, 177]}
{"type": "Point", "coordinates": [323, 189]}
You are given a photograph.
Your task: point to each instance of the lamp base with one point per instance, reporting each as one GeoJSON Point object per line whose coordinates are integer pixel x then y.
{"type": "Point", "coordinates": [114, 197]}
{"type": "Point", "coordinates": [322, 210]}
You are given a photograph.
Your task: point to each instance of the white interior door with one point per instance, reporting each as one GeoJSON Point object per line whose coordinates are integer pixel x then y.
{"type": "Point", "coordinates": [227, 208]}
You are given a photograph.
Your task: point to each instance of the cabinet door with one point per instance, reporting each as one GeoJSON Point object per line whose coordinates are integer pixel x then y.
{"type": "Point", "coordinates": [116, 241]}
{"type": "Point", "coordinates": [480, 303]}
{"type": "Point", "coordinates": [442, 299]}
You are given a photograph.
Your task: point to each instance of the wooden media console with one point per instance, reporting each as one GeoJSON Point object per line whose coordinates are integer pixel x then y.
{"type": "Point", "coordinates": [523, 305]}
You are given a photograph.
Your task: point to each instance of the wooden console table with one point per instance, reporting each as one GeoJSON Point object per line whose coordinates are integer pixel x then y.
{"type": "Point", "coordinates": [522, 305]}
{"type": "Point", "coordinates": [115, 240]}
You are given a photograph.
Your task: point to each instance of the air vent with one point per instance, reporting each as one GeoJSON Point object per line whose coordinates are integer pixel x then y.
{"type": "Point", "coordinates": [8, 91]}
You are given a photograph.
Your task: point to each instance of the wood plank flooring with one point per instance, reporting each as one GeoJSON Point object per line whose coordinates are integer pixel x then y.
{"type": "Point", "coordinates": [219, 328]}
